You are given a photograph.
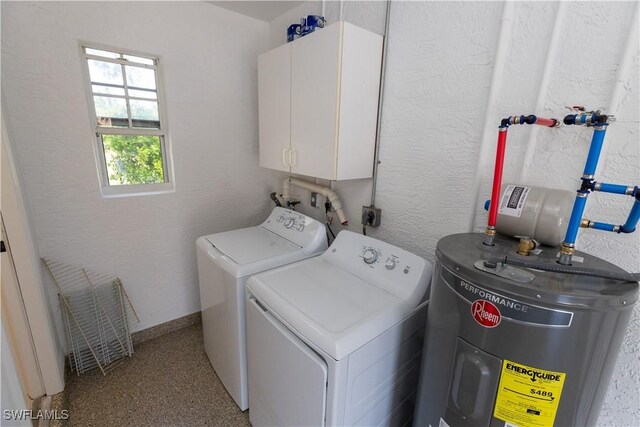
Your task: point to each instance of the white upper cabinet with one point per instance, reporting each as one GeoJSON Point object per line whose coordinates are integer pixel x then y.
{"type": "Point", "coordinates": [274, 104]}
{"type": "Point", "coordinates": [318, 99]}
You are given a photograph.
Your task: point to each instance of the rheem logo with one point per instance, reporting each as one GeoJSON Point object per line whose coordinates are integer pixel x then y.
{"type": "Point", "coordinates": [485, 313]}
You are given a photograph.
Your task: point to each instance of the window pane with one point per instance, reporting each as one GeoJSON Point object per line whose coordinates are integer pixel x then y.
{"type": "Point", "coordinates": [133, 159]}
{"type": "Point", "coordinates": [105, 72]}
{"type": "Point", "coordinates": [143, 94]}
{"type": "Point", "coordinates": [140, 77]}
{"type": "Point", "coordinates": [111, 111]}
{"type": "Point", "coordinates": [144, 114]}
{"type": "Point", "coordinates": [108, 90]}
{"type": "Point", "coordinates": [139, 59]}
{"type": "Point", "coordinates": [104, 53]}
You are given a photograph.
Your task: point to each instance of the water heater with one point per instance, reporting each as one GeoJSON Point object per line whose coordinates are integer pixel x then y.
{"type": "Point", "coordinates": [508, 346]}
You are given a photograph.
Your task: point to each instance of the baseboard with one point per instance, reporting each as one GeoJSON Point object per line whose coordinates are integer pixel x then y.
{"type": "Point", "coordinates": [164, 328]}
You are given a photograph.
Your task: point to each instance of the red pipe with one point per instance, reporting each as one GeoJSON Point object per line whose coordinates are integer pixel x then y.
{"type": "Point", "coordinates": [546, 122]}
{"type": "Point", "coordinates": [497, 177]}
{"type": "Point", "coordinates": [499, 166]}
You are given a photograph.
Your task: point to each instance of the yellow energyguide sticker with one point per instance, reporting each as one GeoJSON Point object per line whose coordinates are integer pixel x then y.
{"type": "Point", "coordinates": [528, 397]}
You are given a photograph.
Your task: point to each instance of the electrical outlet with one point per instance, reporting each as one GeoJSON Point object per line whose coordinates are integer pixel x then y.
{"type": "Point", "coordinates": [371, 216]}
{"type": "Point", "coordinates": [314, 200]}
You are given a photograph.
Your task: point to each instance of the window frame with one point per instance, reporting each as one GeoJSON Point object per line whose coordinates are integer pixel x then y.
{"type": "Point", "coordinates": [106, 189]}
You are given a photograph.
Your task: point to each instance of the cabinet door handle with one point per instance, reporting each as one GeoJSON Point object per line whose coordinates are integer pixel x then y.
{"type": "Point", "coordinates": [293, 158]}
{"type": "Point", "coordinates": [284, 156]}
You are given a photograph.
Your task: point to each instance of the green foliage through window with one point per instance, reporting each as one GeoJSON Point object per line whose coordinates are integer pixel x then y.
{"type": "Point", "coordinates": [133, 159]}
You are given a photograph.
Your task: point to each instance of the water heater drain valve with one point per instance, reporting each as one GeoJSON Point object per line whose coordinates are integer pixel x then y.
{"type": "Point", "coordinates": [526, 245]}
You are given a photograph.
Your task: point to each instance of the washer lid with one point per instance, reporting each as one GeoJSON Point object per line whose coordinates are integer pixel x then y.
{"type": "Point", "coordinates": [248, 245]}
{"type": "Point", "coordinates": [331, 308]}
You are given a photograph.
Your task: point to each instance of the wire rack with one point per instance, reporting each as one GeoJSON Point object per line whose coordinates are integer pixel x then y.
{"type": "Point", "coordinates": [95, 311]}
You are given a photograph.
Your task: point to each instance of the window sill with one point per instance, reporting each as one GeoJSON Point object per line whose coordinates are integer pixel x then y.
{"type": "Point", "coordinates": [112, 191]}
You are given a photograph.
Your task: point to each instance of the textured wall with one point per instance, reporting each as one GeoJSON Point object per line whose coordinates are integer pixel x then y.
{"type": "Point", "coordinates": [208, 58]}
{"type": "Point", "coordinates": [454, 69]}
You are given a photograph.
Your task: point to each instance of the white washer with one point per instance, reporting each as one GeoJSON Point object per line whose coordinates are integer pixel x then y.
{"type": "Point", "coordinates": [225, 260]}
{"type": "Point", "coordinates": [336, 340]}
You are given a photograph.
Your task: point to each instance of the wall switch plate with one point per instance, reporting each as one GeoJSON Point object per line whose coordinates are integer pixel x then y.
{"type": "Point", "coordinates": [314, 200]}
{"type": "Point", "coordinates": [371, 216]}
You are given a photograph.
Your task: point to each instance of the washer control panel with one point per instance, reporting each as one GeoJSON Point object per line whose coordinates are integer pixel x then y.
{"type": "Point", "coordinates": [390, 268]}
{"type": "Point", "coordinates": [296, 227]}
{"type": "Point", "coordinates": [292, 220]}
{"type": "Point", "coordinates": [372, 256]}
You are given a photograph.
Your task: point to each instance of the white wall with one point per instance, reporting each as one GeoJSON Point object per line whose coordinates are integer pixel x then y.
{"type": "Point", "coordinates": [208, 57]}
{"type": "Point", "coordinates": [454, 70]}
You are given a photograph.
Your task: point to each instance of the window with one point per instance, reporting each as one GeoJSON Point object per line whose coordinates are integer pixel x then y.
{"type": "Point", "coordinates": [126, 101]}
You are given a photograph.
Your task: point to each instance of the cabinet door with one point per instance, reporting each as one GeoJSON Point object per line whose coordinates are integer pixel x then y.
{"type": "Point", "coordinates": [314, 102]}
{"type": "Point", "coordinates": [359, 89]}
{"type": "Point", "coordinates": [274, 103]}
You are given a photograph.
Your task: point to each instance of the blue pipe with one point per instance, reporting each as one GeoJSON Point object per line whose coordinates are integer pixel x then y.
{"type": "Point", "coordinates": [576, 217]}
{"type": "Point", "coordinates": [613, 188]}
{"type": "Point", "coordinates": [633, 218]}
{"type": "Point", "coordinates": [594, 150]}
{"type": "Point", "coordinates": [581, 196]}
{"type": "Point", "coordinates": [602, 226]}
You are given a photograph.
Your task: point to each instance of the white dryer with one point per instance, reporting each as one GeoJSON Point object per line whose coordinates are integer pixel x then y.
{"type": "Point", "coordinates": [225, 260]}
{"type": "Point", "coordinates": [336, 340]}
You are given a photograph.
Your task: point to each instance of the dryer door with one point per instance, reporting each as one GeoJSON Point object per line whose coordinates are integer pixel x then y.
{"type": "Point", "coordinates": [287, 380]}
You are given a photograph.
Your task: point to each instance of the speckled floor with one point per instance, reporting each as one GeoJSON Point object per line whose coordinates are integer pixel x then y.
{"type": "Point", "coordinates": [167, 382]}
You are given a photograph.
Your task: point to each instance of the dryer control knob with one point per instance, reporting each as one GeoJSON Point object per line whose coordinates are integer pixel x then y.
{"type": "Point", "coordinates": [390, 263]}
{"type": "Point", "coordinates": [300, 226]}
{"type": "Point", "coordinates": [280, 218]}
{"type": "Point", "coordinates": [289, 222]}
{"type": "Point", "coordinates": [370, 256]}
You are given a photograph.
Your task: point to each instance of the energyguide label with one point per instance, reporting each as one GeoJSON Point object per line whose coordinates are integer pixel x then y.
{"type": "Point", "coordinates": [528, 397]}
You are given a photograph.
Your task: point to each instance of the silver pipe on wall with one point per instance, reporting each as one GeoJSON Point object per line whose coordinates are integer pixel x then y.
{"type": "Point", "coordinates": [383, 68]}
